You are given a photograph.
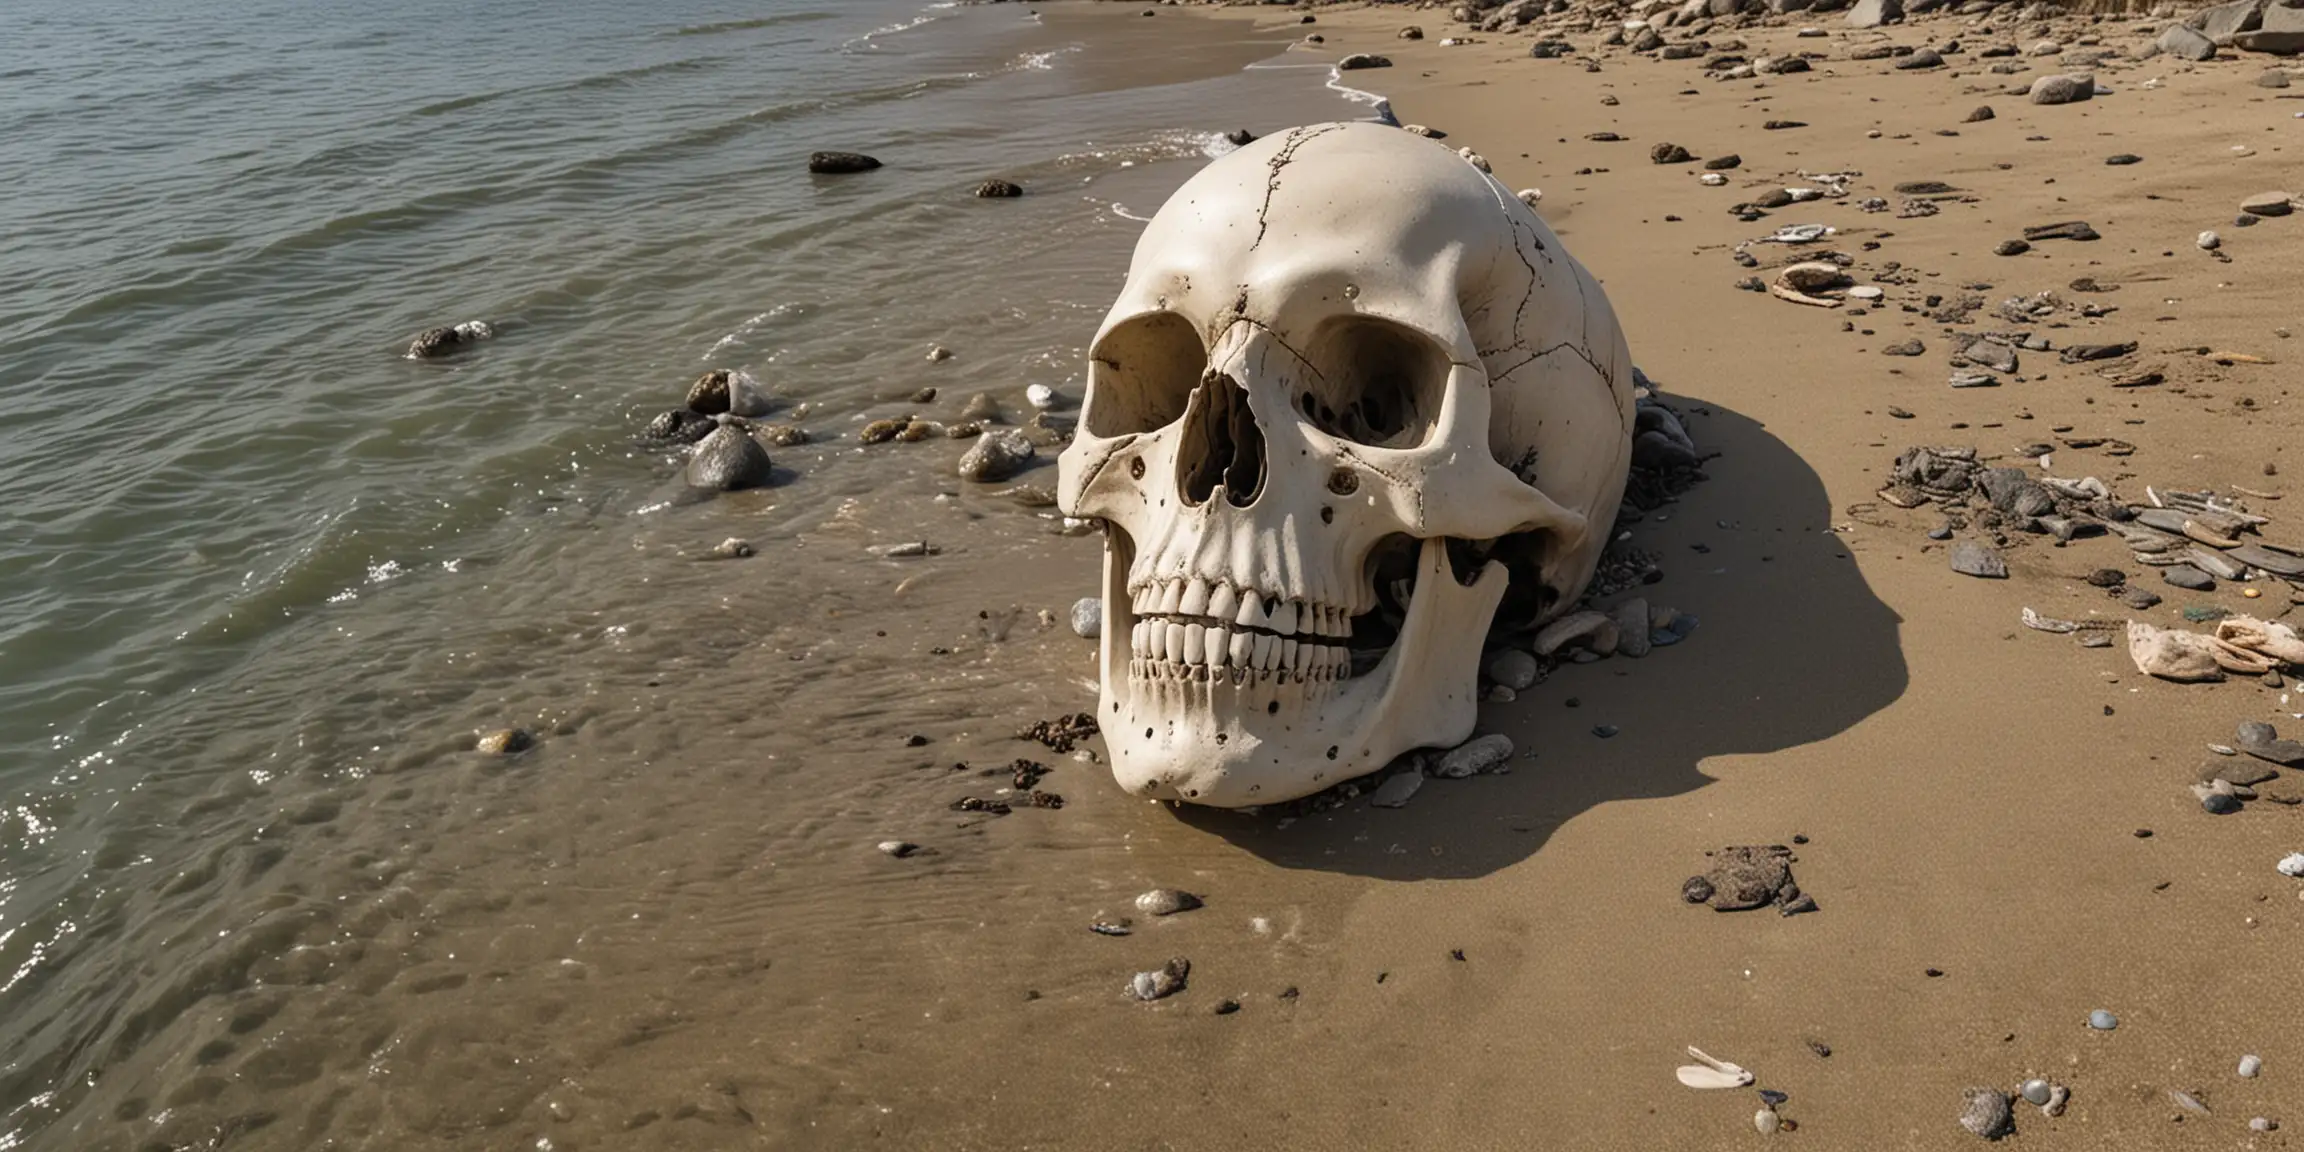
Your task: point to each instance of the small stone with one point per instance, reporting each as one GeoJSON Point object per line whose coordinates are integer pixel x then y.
{"type": "Point", "coordinates": [2262, 741]}
{"type": "Point", "coordinates": [2216, 804]}
{"type": "Point", "coordinates": [1696, 890]}
{"type": "Point", "coordinates": [2011, 248]}
{"type": "Point", "coordinates": [2291, 865]}
{"type": "Point", "coordinates": [1166, 902]}
{"type": "Point", "coordinates": [2062, 89]}
{"type": "Point", "coordinates": [1396, 790]}
{"type": "Point", "coordinates": [505, 742]}
{"type": "Point", "coordinates": [732, 549]}
{"type": "Point", "coordinates": [1240, 137]}
{"type": "Point", "coordinates": [1632, 629]}
{"type": "Point", "coordinates": [1972, 559]}
{"type": "Point", "coordinates": [1162, 982]}
{"type": "Point", "coordinates": [2263, 1124]}
{"type": "Point", "coordinates": [2276, 78]}
{"type": "Point", "coordinates": [2103, 1021]}
{"type": "Point", "coordinates": [709, 394]}
{"type": "Point", "coordinates": [2269, 204]}
{"type": "Point", "coordinates": [1723, 163]}
{"type": "Point", "coordinates": [680, 426]}
{"type": "Point", "coordinates": [2209, 241]}
{"type": "Point", "coordinates": [2036, 1091]}
{"type": "Point", "coordinates": [2250, 1065]}
{"type": "Point", "coordinates": [1905, 348]}
{"type": "Point", "coordinates": [898, 848]}
{"type": "Point", "coordinates": [2139, 599]}
{"type": "Point", "coordinates": [1605, 731]}
{"type": "Point", "coordinates": [1669, 154]}
{"type": "Point", "coordinates": [1512, 668]}
{"type": "Point", "coordinates": [1227, 1007]}
{"type": "Point", "coordinates": [1088, 617]}
{"type": "Point", "coordinates": [840, 163]}
{"type": "Point", "coordinates": [999, 190]}
{"type": "Point", "coordinates": [2123, 159]}
{"type": "Point", "coordinates": [1360, 60]}
{"type": "Point", "coordinates": [993, 458]}
{"type": "Point", "coordinates": [1986, 1112]}
{"type": "Point", "coordinates": [1922, 59]}
{"type": "Point", "coordinates": [1040, 396]}
{"type": "Point", "coordinates": [727, 460]}
{"type": "Point", "coordinates": [2187, 577]}
{"type": "Point", "coordinates": [1411, 32]}
{"type": "Point", "coordinates": [1474, 757]}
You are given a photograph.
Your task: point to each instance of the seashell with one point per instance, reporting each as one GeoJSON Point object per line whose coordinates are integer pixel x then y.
{"type": "Point", "coordinates": [2037, 622]}
{"type": "Point", "coordinates": [1985, 1111]}
{"type": "Point", "coordinates": [2187, 1101]}
{"type": "Point", "coordinates": [1767, 1121]}
{"type": "Point", "coordinates": [1166, 902]}
{"type": "Point", "coordinates": [1162, 982]}
{"type": "Point", "coordinates": [2057, 1095]}
{"type": "Point", "coordinates": [1712, 1073]}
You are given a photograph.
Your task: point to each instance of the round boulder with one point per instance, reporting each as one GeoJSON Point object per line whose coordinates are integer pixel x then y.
{"type": "Point", "coordinates": [727, 460]}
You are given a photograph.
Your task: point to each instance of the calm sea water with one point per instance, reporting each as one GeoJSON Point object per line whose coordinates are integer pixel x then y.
{"type": "Point", "coordinates": [261, 578]}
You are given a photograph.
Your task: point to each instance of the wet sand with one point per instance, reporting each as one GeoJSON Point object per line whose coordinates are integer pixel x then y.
{"type": "Point", "coordinates": [560, 951]}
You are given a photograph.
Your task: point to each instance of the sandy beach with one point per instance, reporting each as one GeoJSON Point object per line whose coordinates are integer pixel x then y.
{"type": "Point", "coordinates": [672, 925]}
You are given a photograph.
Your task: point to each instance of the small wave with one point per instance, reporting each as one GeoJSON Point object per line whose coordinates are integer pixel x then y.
{"type": "Point", "coordinates": [866, 40]}
{"type": "Point", "coordinates": [1121, 210]}
{"type": "Point", "coordinates": [1046, 61]}
{"type": "Point", "coordinates": [748, 327]}
{"type": "Point", "coordinates": [721, 27]}
{"type": "Point", "coordinates": [619, 77]}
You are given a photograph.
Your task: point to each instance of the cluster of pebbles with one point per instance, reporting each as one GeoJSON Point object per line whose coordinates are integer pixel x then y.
{"type": "Point", "coordinates": [718, 425]}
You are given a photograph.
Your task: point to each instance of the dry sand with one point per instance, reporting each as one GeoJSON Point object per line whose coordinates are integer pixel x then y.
{"type": "Point", "coordinates": [1972, 791]}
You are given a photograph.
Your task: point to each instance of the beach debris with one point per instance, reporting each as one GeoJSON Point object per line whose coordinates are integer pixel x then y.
{"type": "Point", "coordinates": [1711, 1072]}
{"type": "Point", "coordinates": [2058, 1096]}
{"type": "Point", "coordinates": [2209, 241]}
{"type": "Point", "coordinates": [1798, 283]}
{"type": "Point", "coordinates": [1088, 617]}
{"type": "Point", "coordinates": [680, 426]}
{"type": "Point", "coordinates": [1972, 559]}
{"type": "Point", "coordinates": [995, 457]}
{"type": "Point", "coordinates": [2268, 639]}
{"type": "Point", "coordinates": [840, 163]}
{"type": "Point", "coordinates": [505, 742]}
{"type": "Point", "coordinates": [1767, 1121]}
{"type": "Point", "coordinates": [2263, 1124]}
{"type": "Point", "coordinates": [1987, 1113]}
{"type": "Point", "coordinates": [2291, 865]}
{"type": "Point", "coordinates": [1747, 876]}
{"type": "Point", "coordinates": [898, 848]}
{"type": "Point", "coordinates": [2039, 623]}
{"type": "Point", "coordinates": [2188, 1101]}
{"type": "Point", "coordinates": [733, 548]}
{"type": "Point", "coordinates": [1063, 733]}
{"type": "Point", "coordinates": [1162, 982]}
{"type": "Point", "coordinates": [2170, 654]}
{"type": "Point", "coordinates": [434, 343]}
{"type": "Point", "coordinates": [1166, 902]}
{"type": "Point", "coordinates": [2102, 1020]}
{"type": "Point", "coordinates": [2263, 742]}
{"type": "Point", "coordinates": [2250, 1065]}
{"type": "Point", "coordinates": [1797, 234]}
{"type": "Point", "coordinates": [1474, 756]}
{"type": "Point", "coordinates": [728, 459]}
{"type": "Point", "coordinates": [1360, 60]}
{"type": "Point", "coordinates": [908, 550]}
{"type": "Point", "coordinates": [1396, 789]}
{"type": "Point", "coordinates": [1120, 927]}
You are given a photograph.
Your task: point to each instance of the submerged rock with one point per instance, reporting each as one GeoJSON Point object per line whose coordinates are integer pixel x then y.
{"type": "Point", "coordinates": [999, 190]}
{"type": "Point", "coordinates": [997, 457]}
{"type": "Point", "coordinates": [433, 343]}
{"type": "Point", "coordinates": [680, 426]}
{"type": "Point", "coordinates": [727, 460]}
{"type": "Point", "coordinates": [505, 742]}
{"type": "Point", "coordinates": [840, 163]}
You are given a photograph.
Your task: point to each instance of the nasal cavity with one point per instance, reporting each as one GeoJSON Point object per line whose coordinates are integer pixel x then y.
{"type": "Point", "coordinates": [1223, 449]}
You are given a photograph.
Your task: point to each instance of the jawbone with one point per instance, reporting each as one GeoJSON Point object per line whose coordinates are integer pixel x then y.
{"type": "Point", "coordinates": [1228, 745]}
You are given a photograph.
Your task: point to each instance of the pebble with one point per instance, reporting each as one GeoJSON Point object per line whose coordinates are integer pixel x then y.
{"type": "Point", "coordinates": [1605, 731]}
{"type": "Point", "coordinates": [2263, 1124]}
{"type": "Point", "coordinates": [1512, 668]}
{"type": "Point", "coordinates": [727, 460]}
{"type": "Point", "coordinates": [840, 163]}
{"type": "Point", "coordinates": [1972, 559]}
{"type": "Point", "coordinates": [2057, 1095]}
{"type": "Point", "coordinates": [2250, 1065]}
{"type": "Point", "coordinates": [732, 549]}
{"type": "Point", "coordinates": [2220, 803]}
{"type": "Point", "coordinates": [2012, 248]}
{"type": "Point", "coordinates": [1088, 617]}
{"type": "Point", "coordinates": [897, 848]}
{"type": "Point", "coordinates": [1669, 154]}
{"type": "Point", "coordinates": [999, 190]}
{"type": "Point", "coordinates": [2036, 1091]}
{"type": "Point", "coordinates": [2103, 1021]}
{"type": "Point", "coordinates": [2188, 577]}
{"type": "Point", "coordinates": [1475, 756]}
{"type": "Point", "coordinates": [1166, 902]}
{"type": "Point", "coordinates": [2268, 204]}
{"type": "Point", "coordinates": [505, 742]}
{"type": "Point", "coordinates": [2291, 865]}
{"type": "Point", "coordinates": [2209, 241]}
{"type": "Point", "coordinates": [1985, 1112]}
{"type": "Point", "coordinates": [1767, 1121]}
{"type": "Point", "coordinates": [1395, 791]}
{"type": "Point", "coordinates": [1632, 629]}
{"type": "Point", "coordinates": [1040, 396]}
{"type": "Point", "coordinates": [1696, 890]}
{"type": "Point", "coordinates": [2122, 159]}
{"type": "Point", "coordinates": [996, 457]}
{"type": "Point", "coordinates": [1162, 982]}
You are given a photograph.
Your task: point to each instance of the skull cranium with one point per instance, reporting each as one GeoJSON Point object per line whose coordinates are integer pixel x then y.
{"type": "Point", "coordinates": [1353, 397]}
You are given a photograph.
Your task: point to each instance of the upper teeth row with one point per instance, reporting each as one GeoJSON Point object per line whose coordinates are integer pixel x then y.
{"type": "Point", "coordinates": [1248, 609]}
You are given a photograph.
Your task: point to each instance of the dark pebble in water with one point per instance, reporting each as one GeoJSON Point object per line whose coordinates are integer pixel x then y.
{"type": "Point", "coordinates": [727, 460]}
{"type": "Point", "coordinates": [1604, 731]}
{"type": "Point", "coordinates": [1696, 890]}
{"type": "Point", "coordinates": [838, 163]}
{"type": "Point", "coordinates": [680, 426]}
{"type": "Point", "coordinates": [505, 742]}
{"type": "Point", "coordinates": [1240, 137]}
{"type": "Point", "coordinates": [998, 190]}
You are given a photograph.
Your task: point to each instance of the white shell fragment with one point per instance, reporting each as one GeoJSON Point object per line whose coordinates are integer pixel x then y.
{"type": "Point", "coordinates": [2039, 623]}
{"type": "Point", "coordinates": [1711, 1073]}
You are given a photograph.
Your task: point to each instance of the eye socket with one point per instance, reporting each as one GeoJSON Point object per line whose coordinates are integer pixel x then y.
{"type": "Point", "coordinates": [1377, 383]}
{"type": "Point", "coordinates": [1141, 375]}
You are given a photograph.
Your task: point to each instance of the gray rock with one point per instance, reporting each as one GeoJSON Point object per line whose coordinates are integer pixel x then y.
{"type": "Point", "coordinates": [680, 426]}
{"type": "Point", "coordinates": [2186, 576]}
{"type": "Point", "coordinates": [1360, 60]}
{"type": "Point", "coordinates": [1990, 354]}
{"type": "Point", "coordinates": [999, 190]}
{"type": "Point", "coordinates": [2139, 599]}
{"type": "Point", "coordinates": [1905, 348]}
{"type": "Point", "coordinates": [2276, 78]}
{"type": "Point", "coordinates": [2262, 741]}
{"type": "Point", "coordinates": [1874, 13]}
{"type": "Point", "coordinates": [1474, 757]}
{"type": "Point", "coordinates": [727, 460]}
{"type": "Point", "coordinates": [2062, 89]}
{"type": "Point", "coordinates": [1088, 617]}
{"type": "Point", "coordinates": [995, 457]}
{"type": "Point", "coordinates": [2277, 563]}
{"type": "Point", "coordinates": [1749, 876]}
{"type": "Point", "coordinates": [1924, 58]}
{"type": "Point", "coordinates": [1396, 790]}
{"type": "Point", "coordinates": [2221, 22]}
{"type": "Point", "coordinates": [1512, 668]}
{"type": "Point", "coordinates": [1162, 982]}
{"type": "Point", "coordinates": [1987, 1113]}
{"type": "Point", "coordinates": [1632, 629]}
{"type": "Point", "coordinates": [2181, 41]}
{"type": "Point", "coordinates": [840, 163]}
{"type": "Point", "coordinates": [1972, 559]}
{"type": "Point", "coordinates": [2282, 32]}
{"type": "Point", "coordinates": [1660, 452]}
{"type": "Point", "coordinates": [2269, 204]}
{"type": "Point", "coordinates": [2103, 1021]}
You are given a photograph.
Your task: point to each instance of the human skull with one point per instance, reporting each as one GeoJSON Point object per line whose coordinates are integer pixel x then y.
{"type": "Point", "coordinates": [1353, 397]}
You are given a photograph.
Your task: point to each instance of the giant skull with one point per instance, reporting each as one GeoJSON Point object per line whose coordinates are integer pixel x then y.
{"type": "Point", "coordinates": [1353, 398]}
